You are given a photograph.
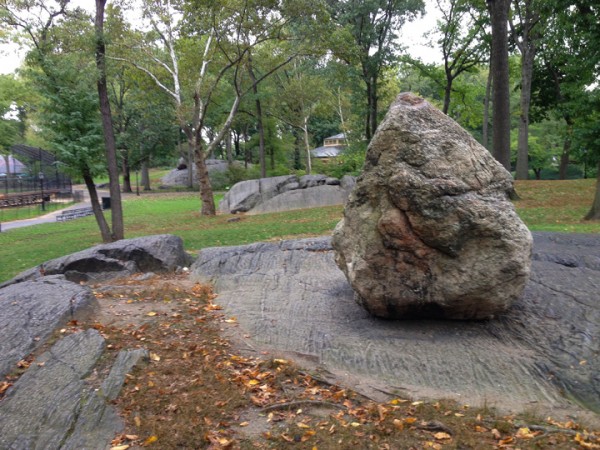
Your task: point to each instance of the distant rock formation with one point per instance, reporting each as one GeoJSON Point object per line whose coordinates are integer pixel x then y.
{"type": "Point", "coordinates": [285, 193]}
{"type": "Point", "coordinates": [429, 230]}
{"type": "Point", "coordinates": [179, 177]}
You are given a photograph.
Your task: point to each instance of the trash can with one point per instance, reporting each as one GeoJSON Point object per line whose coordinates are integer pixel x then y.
{"type": "Point", "coordinates": [105, 202]}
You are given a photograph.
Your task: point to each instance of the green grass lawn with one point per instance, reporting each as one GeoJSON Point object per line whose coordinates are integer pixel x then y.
{"type": "Point", "coordinates": [544, 206]}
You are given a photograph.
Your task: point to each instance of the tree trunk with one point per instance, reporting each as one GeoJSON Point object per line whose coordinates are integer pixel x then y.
{"type": "Point", "coordinates": [374, 105]}
{"type": "Point", "coordinates": [206, 192]}
{"type": "Point", "coordinates": [368, 130]}
{"type": "Point", "coordinates": [501, 89]}
{"type": "Point", "coordinates": [527, 60]}
{"type": "Point", "coordinates": [259, 120]}
{"type": "Point", "coordinates": [118, 231]}
{"type": "Point", "coordinates": [594, 213]}
{"type": "Point", "coordinates": [228, 149]}
{"type": "Point", "coordinates": [126, 172]}
{"type": "Point", "coordinates": [297, 150]}
{"type": "Point", "coordinates": [146, 175]}
{"type": "Point", "coordinates": [447, 92]}
{"type": "Point", "coordinates": [565, 156]}
{"type": "Point", "coordinates": [307, 147]}
{"type": "Point", "coordinates": [98, 214]}
{"type": "Point", "coordinates": [486, 111]}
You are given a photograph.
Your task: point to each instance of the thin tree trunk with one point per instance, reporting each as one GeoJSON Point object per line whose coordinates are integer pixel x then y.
{"type": "Point", "coordinates": [594, 213]}
{"type": "Point", "coordinates": [118, 231]}
{"type": "Point", "coordinates": [374, 106]}
{"type": "Point", "coordinates": [486, 111]}
{"type": "Point", "coordinates": [527, 48]}
{"type": "Point", "coordinates": [368, 131]}
{"type": "Point", "coordinates": [126, 172]}
{"type": "Point", "coordinates": [447, 92]}
{"type": "Point", "coordinates": [228, 149]}
{"type": "Point", "coordinates": [565, 156]}
{"type": "Point", "coordinates": [98, 214]}
{"type": "Point", "coordinates": [146, 175]}
{"type": "Point", "coordinates": [307, 147]}
{"type": "Point", "coordinates": [259, 120]}
{"type": "Point", "coordinates": [501, 90]}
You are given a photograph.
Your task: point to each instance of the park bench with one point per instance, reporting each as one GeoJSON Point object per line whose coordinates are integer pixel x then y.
{"type": "Point", "coordinates": [74, 214]}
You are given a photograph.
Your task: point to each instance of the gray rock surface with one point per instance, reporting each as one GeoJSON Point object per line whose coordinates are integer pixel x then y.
{"type": "Point", "coordinates": [179, 177]}
{"type": "Point", "coordinates": [428, 230]}
{"type": "Point", "coordinates": [41, 409]}
{"type": "Point", "coordinates": [159, 253]}
{"type": "Point", "coordinates": [53, 406]}
{"type": "Point", "coordinates": [245, 195]}
{"type": "Point", "coordinates": [32, 310]}
{"type": "Point", "coordinates": [541, 354]}
{"type": "Point", "coordinates": [313, 197]}
{"type": "Point", "coordinates": [285, 193]}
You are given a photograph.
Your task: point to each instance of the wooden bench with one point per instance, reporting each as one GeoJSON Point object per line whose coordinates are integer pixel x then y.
{"type": "Point", "coordinates": [75, 213]}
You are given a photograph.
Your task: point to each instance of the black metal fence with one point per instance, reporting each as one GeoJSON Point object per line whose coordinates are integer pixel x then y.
{"type": "Point", "coordinates": [35, 177]}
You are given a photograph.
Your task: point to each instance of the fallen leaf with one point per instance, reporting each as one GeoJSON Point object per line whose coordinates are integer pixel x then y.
{"type": "Point", "coordinates": [244, 424]}
{"type": "Point", "coordinates": [151, 440]}
{"type": "Point", "coordinates": [410, 420]}
{"type": "Point", "coordinates": [132, 437]}
{"type": "Point", "coordinates": [4, 386]}
{"type": "Point", "coordinates": [231, 320]}
{"type": "Point", "coordinates": [399, 424]}
{"type": "Point", "coordinates": [441, 436]}
{"type": "Point", "coordinates": [416, 403]}
{"type": "Point", "coordinates": [137, 421]}
{"type": "Point", "coordinates": [506, 441]}
{"type": "Point", "coordinates": [152, 313]}
{"type": "Point", "coordinates": [120, 447]}
{"type": "Point", "coordinates": [154, 357]}
{"type": "Point", "coordinates": [397, 401]}
{"type": "Point", "coordinates": [525, 433]}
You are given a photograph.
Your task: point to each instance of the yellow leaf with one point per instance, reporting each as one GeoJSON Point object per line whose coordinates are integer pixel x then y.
{"type": "Point", "coordinates": [525, 433]}
{"type": "Point", "coordinates": [152, 313]}
{"type": "Point", "coordinates": [120, 447]}
{"type": "Point", "coordinates": [355, 424]}
{"type": "Point", "coordinates": [244, 424]}
{"type": "Point", "coordinates": [302, 425]}
{"type": "Point", "coordinates": [442, 436]}
{"type": "Point", "coordinates": [154, 357]}
{"type": "Point", "coordinates": [280, 361]}
{"type": "Point", "coordinates": [138, 421]}
{"type": "Point", "coordinates": [399, 424]}
{"type": "Point", "coordinates": [397, 401]}
{"type": "Point", "coordinates": [459, 415]}
{"type": "Point", "coordinates": [410, 420]}
{"type": "Point", "coordinates": [253, 382]}
{"type": "Point", "coordinates": [416, 403]}
{"type": "Point", "coordinates": [151, 440]}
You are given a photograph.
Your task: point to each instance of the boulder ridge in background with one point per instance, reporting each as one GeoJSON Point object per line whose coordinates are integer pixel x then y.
{"type": "Point", "coordinates": [428, 230]}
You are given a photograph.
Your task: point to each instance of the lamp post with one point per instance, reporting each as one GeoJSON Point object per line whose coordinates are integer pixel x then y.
{"type": "Point", "coordinates": [41, 177]}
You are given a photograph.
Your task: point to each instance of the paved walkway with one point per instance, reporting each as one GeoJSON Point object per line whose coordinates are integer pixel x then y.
{"type": "Point", "coordinates": [50, 217]}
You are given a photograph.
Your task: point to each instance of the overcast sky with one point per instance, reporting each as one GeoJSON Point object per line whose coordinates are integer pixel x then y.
{"type": "Point", "coordinates": [411, 37]}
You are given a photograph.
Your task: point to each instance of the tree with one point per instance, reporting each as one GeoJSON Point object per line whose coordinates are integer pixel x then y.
{"type": "Point", "coordinates": [192, 70]}
{"type": "Point", "coordinates": [373, 26]}
{"type": "Point", "coordinates": [500, 81]}
{"type": "Point", "coordinates": [525, 34]}
{"type": "Point", "coordinates": [118, 230]}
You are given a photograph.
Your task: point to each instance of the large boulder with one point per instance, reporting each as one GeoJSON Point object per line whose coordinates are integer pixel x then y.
{"type": "Point", "coordinates": [245, 195]}
{"type": "Point", "coordinates": [285, 193]}
{"type": "Point", "coordinates": [179, 177]}
{"type": "Point", "coordinates": [158, 253]}
{"type": "Point", "coordinates": [429, 229]}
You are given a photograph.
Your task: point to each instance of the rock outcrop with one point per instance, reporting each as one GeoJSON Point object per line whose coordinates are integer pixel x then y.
{"type": "Point", "coordinates": [285, 193]}
{"type": "Point", "coordinates": [52, 405]}
{"type": "Point", "coordinates": [429, 231]}
{"type": "Point", "coordinates": [179, 177]}
{"type": "Point", "coordinates": [290, 297]}
{"type": "Point", "coordinates": [158, 253]}
{"type": "Point", "coordinates": [32, 310]}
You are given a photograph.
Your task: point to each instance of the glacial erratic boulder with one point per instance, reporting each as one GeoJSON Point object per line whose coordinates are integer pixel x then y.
{"type": "Point", "coordinates": [158, 253]}
{"type": "Point", "coordinates": [428, 230]}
